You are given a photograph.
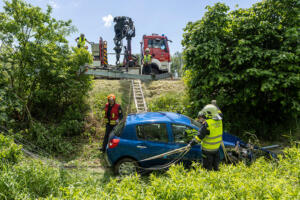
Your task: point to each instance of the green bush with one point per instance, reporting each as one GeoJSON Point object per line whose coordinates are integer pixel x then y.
{"type": "Point", "coordinates": [30, 180]}
{"type": "Point", "coordinates": [264, 179]}
{"type": "Point", "coordinates": [51, 139]}
{"type": "Point", "coordinates": [247, 59]}
{"type": "Point", "coordinates": [40, 83]}
{"type": "Point", "coordinates": [9, 151]}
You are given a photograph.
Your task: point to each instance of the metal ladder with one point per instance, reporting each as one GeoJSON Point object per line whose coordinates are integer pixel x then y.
{"type": "Point", "coordinates": [138, 96]}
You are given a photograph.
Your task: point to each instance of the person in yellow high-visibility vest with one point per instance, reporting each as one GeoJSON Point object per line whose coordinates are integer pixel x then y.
{"type": "Point", "coordinates": [81, 41]}
{"type": "Point", "coordinates": [210, 134]}
{"type": "Point", "coordinates": [147, 66]}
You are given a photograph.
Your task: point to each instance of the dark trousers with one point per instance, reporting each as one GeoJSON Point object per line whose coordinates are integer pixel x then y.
{"type": "Point", "coordinates": [147, 69]}
{"type": "Point", "coordinates": [211, 160]}
{"type": "Point", "coordinates": [108, 129]}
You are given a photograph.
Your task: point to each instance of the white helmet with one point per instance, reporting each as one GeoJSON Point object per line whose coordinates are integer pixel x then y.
{"type": "Point", "coordinates": [210, 111]}
{"type": "Point", "coordinates": [147, 50]}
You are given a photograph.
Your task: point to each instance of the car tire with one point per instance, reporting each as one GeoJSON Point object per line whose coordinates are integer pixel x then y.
{"type": "Point", "coordinates": [126, 166]}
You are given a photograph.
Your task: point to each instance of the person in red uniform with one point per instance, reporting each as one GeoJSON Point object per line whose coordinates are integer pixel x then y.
{"type": "Point", "coordinates": [113, 114]}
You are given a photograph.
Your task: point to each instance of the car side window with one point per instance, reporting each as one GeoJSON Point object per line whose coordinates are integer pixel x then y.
{"type": "Point", "coordinates": [152, 132]}
{"type": "Point", "coordinates": [182, 133]}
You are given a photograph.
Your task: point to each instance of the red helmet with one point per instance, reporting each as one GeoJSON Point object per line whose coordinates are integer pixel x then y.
{"type": "Point", "coordinates": [111, 95]}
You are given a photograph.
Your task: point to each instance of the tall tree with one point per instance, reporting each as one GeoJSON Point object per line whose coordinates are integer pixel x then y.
{"type": "Point", "coordinates": [248, 59]}
{"type": "Point", "coordinates": [177, 63]}
{"type": "Point", "coordinates": [38, 70]}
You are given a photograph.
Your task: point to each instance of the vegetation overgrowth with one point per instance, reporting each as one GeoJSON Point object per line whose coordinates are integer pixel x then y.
{"type": "Point", "coordinates": [264, 179]}
{"type": "Point", "coordinates": [10, 152]}
{"type": "Point", "coordinates": [42, 93]}
{"type": "Point", "coordinates": [247, 59]}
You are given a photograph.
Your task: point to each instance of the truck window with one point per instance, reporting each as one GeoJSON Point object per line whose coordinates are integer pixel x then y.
{"type": "Point", "coordinates": [152, 132]}
{"type": "Point", "coordinates": [156, 43]}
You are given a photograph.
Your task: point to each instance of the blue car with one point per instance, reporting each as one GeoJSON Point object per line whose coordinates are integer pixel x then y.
{"type": "Point", "coordinates": [144, 135]}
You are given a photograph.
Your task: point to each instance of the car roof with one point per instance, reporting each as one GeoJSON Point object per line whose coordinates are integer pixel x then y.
{"type": "Point", "coordinates": [159, 117]}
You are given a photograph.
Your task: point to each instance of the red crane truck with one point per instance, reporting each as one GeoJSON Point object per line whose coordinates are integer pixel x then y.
{"type": "Point", "coordinates": [159, 49]}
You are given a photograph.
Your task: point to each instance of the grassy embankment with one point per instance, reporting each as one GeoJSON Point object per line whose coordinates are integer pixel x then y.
{"type": "Point", "coordinates": [87, 146]}
{"type": "Point", "coordinates": [31, 179]}
{"type": "Point", "coordinates": [23, 178]}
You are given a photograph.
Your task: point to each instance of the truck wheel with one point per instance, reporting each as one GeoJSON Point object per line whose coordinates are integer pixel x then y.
{"type": "Point", "coordinates": [155, 71]}
{"type": "Point", "coordinates": [126, 166]}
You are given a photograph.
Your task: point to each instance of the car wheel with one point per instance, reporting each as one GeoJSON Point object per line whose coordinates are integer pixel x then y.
{"type": "Point", "coordinates": [126, 166]}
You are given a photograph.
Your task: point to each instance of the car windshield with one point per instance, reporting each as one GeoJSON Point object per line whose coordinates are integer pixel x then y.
{"type": "Point", "coordinates": [195, 123]}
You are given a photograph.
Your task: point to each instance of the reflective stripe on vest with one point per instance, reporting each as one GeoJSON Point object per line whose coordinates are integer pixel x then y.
{"type": "Point", "coordinates": [147, 58]}
{"type": "Point", "coordinates": [213, 141]}
{"type": "Point", "coordinates": [81, 41]}
{"type": "Point", "coordinates": [111, 122]}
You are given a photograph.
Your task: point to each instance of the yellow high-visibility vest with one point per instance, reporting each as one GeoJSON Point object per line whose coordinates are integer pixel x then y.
{"type": "Point", "coordinates": [81, 42]}
{"type": "Point", "coordinates": [213, 141]}
{"type": "Point", "coordinates": [147, 59]}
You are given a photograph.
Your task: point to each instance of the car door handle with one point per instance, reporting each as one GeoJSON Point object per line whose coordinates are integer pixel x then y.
{"type": "Point", "coordinates": [141, 147]}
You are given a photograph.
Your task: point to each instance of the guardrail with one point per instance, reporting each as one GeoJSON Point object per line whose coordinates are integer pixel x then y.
{"type": "Point", "coordinates": [113, 73]}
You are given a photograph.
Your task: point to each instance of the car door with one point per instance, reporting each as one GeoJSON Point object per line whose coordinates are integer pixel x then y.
{"type": "Point", "coordinates": [153, 139]}
{"type": "Point", "coordinates": [181, 136]}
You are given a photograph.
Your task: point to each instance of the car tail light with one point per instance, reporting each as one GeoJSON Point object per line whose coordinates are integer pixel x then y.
{"type": "Point", "coordinates": [113, 143]}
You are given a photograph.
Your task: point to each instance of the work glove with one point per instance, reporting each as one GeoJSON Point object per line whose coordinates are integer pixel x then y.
{"type": "Point", "coordinates": [193, 142]}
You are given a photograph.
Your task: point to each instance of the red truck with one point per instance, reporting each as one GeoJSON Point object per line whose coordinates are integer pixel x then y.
{"type": "Point", "coordinates": [159, 49]}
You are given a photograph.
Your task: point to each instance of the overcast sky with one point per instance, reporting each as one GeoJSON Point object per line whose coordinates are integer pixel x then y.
{"type": "Point", "coordinates": [169, 17]}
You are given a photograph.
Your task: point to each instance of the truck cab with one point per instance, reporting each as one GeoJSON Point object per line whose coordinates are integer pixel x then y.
{"type": "Point", "coordinates": [159, 49]}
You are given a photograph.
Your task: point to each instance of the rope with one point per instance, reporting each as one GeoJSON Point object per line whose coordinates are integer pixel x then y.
{"type": "Point", "coordinates": [183, 151]}
{"type": "Point", "coordinates": [165, 166]}
{"type": "Point", "coordinates": [168, 153]}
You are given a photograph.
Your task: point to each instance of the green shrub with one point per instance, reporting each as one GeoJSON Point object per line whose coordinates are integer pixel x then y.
{"type": "Point", "coordinates": [247, 59]}
{"type": "Point", "coordinates": [30, 180]}
{"type": "Point", "coordinates": [9, 151]}
{"type": "Point", "coordinates": [262, 180]}
{"type": "Point", "coordinates": [39, 75]}
{"type": "Point", "coordinates": [275, 179]}
{"type": "Point", "coordinates": [52, 139]}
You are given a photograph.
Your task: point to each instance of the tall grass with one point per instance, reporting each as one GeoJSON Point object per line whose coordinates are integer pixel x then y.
{"type": "Point", "coordinates": [264, 179]}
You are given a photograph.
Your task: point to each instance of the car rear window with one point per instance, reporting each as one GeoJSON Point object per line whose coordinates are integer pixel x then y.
{"type": "Point", "coordinates": [152, 132]}
{"type": "Point", "coordinates": [119, 127]}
